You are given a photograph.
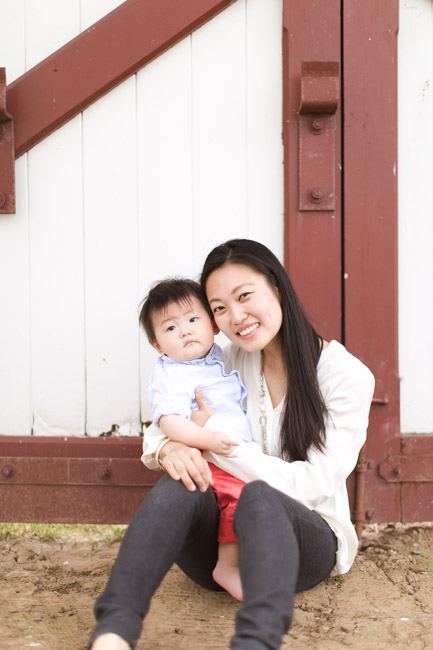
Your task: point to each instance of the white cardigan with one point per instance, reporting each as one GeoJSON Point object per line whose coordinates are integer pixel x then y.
{"type": "Point", "coordinates": [319, 483]}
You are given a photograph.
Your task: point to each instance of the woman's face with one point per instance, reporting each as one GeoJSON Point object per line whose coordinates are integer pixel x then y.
{"type": "Point", "coordinates": [245, 307]}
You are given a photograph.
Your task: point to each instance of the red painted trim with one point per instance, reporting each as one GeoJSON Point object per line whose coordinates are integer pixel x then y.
{"type": "Point", "coordinates": [416, 445]}
{"type": "Point", "coordinates": [90, 480]}
{"type": "Point", "coordinates": [70, 504]}
{"type": "Point", "coordinates": [7, 162]}
{"type": "Point", "coordinates": [69, 447]}
{"type": "Point", "coordinates": [312, 239]}
{"type": "Point", "coordinates": [93, 63]}
{"type": "Point", "coordinates": [416, 502]}
{"type": "Point", "coordinates": [370, 224]}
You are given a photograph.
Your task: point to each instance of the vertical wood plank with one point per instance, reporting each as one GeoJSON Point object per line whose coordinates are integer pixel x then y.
{"type": "Point", "coordinates": [93, 10]}
{"type": "Point", "coordinates": [219, 131]}
{"type": "Point", "coordinates": [164, 165]}
{"type": "Point", "coordinates": [177, 123]}
{"type": "Point", "coordinates": [111, 269]}
{"type": "Point", "coordinates": [12, 41]}
{"type": "Point", "coordinates": [56, 281]}
{"type": "Point", "coordinates": [415, 261]}
{"type": "Point", "coordinates": [265, 154]}
{"type": "Point", "coordinates": [15, 410]}
{"type": "Point", "coordinates": [49, 25]}
{"type": "Point", "coordinates": [164, 180]}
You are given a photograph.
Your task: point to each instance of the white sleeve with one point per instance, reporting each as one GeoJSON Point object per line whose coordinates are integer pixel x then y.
{"type": "Point", "coordinates": [166, 395]}
{"type": "Point", "coordinates": [165, 399]}
{"type": "Point", "coordinates": [348, 401]}
{"type": "Point", "coordinates": [152, 437]}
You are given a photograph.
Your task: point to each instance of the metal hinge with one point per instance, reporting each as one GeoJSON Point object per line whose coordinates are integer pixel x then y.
{"type": "Point", "coordinates": [407, 469]}
{"type": "Point", "coordinates": [320, 91]}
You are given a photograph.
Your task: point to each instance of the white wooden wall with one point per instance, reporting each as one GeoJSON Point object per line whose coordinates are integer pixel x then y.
{"type": "Point", "coordinates": [182, 156]}
{"type": "Point", "coordinates": [416, 215]}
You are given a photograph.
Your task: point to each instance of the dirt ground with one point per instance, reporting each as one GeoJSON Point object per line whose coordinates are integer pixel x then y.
{"type": "Point", "coordinates": [386, 600]}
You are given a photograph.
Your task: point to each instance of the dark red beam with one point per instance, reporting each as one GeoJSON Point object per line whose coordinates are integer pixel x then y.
{"type": "Point", "coordinates": [86, 480]}
{"type": "Point", "coordinates": [93, 63]}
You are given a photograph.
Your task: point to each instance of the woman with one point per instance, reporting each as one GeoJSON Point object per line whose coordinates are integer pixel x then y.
{"type": "Point", "coordinates": [308, 405]}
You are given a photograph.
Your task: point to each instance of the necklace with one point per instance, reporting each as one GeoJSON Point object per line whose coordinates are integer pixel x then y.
{"type": "Point", "coordinates": [263, 420]}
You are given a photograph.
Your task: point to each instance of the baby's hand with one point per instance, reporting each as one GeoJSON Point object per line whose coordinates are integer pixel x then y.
{"type": "Point", "coordinates": [222, 444]}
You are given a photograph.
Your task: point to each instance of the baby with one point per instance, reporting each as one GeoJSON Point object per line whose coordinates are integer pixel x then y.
{"type": "Point", "coordinates": [179, 325]}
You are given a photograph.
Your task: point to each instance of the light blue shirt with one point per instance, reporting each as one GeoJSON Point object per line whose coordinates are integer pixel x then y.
{"type": "Point", "coordinates": [171, 391]}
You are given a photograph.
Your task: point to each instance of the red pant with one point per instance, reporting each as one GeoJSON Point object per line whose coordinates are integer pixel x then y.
{"type": "Point", "coordinates": [227, 490]}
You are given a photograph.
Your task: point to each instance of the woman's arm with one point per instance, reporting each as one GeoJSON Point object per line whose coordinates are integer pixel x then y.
{"type": "Point", "coordinates": [348, 399]}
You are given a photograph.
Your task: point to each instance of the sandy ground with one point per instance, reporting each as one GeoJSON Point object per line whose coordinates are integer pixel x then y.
{"type": "Point", "coordinates": [386, 600]}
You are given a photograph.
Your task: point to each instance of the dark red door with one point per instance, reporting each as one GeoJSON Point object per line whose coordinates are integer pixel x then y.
{"type": "Point", "coordinates": [341, 250]}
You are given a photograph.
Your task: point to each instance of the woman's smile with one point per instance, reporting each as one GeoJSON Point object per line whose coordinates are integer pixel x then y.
{"type": "Point", "coordinates": [245, 331]}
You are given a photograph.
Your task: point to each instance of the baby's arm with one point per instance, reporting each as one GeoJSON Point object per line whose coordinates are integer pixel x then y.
{"type": "Point", "coordinates": [180, 429]}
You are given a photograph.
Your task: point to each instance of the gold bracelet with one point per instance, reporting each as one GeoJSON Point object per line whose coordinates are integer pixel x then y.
{"type": "Point", "coordinates": [158, 451]}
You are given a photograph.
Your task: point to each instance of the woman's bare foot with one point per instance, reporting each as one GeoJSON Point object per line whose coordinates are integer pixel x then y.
{"type": "Point", "coordinates": [230, 579]}
{"type": "Point", "coordinates": [110, 641]}
{"type": "Point", "coordinates": [226, 572]}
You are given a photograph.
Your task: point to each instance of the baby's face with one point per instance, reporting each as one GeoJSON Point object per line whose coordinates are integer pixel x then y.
{"type": "Point", "coordinates": [183, 331]}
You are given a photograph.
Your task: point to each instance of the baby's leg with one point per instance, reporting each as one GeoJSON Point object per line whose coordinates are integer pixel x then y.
{"type": "Point", "coordinates": [226, 572]}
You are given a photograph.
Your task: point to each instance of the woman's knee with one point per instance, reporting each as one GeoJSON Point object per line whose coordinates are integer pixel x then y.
{"type": "Point", "coordinates": [170, 495]}
{"type": "Point", "coordinates": [256, 497]}
{"type": "Point", "coordinates": [255, 490]}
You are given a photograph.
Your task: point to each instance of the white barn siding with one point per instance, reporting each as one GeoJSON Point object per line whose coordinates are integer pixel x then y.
{"type": "Point", "coordinates": [178, 158]}
{"type": "Point", "coordinates": [111, 261]}
{"type": "Point", "coordinates": [15, 356]}
{"type": "Point", "coordinates": [181, 156]}
{"type": "Point", "coordinates": [416, 215]}
{"type": "Point", "coordinates": [56, 282]}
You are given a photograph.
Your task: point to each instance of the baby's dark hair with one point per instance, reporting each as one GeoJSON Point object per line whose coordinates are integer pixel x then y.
{"type": "Point", "coordinates": [165, 292]}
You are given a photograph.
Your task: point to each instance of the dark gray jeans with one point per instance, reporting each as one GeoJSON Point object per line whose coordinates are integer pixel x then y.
{"type": "Point", "coordinates": [283, 548]}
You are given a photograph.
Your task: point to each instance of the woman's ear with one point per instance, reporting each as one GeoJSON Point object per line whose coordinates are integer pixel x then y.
{"type": "Point", "coordinates": [157, 347]}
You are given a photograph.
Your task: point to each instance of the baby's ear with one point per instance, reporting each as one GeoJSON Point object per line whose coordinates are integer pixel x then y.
{"type": "Point", "coordinates": [157, 347]}
{"type": "Point", "coordinates": [216, 329]}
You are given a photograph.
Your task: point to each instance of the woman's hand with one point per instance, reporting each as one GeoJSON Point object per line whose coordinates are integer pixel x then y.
{"type": "Point", "coordinates": [204, 412]}
{"type": "Point", "coordinates": [186, 464]}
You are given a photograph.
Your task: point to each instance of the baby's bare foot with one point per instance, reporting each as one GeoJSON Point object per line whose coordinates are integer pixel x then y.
{"type": "Point", "coordinates": [110, 641]}
{"type": "Point", "coordinates": [230, 579]}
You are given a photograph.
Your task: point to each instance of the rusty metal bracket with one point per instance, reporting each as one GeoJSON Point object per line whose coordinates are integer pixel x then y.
{"type": "Point", "coordinates": [320, 91]}
{"type": "Point", "coordinates": [7, 153]}
{"type": "Point", "coordinates": [407, 469]}
{"type": "Point", "coordinates": [360, 473]}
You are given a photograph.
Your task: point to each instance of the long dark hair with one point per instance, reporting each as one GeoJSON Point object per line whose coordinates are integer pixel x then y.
{"type": "Point", "coordinates": [303, 419]}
